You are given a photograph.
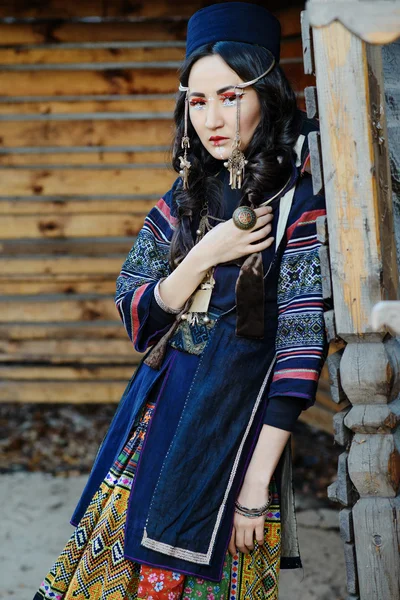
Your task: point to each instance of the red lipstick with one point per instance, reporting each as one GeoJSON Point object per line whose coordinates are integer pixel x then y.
{"type": "Point", "coordinates": [218, 140]}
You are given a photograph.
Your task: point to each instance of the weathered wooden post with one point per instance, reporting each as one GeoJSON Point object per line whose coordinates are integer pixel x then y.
{"type": "Point", "coordinates": [355, 171]}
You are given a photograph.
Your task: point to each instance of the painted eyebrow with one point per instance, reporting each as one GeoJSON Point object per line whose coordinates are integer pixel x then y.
{"type": "Point", "coordinates": [221, 91]}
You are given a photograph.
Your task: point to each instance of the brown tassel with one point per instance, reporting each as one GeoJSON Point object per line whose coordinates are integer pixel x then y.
{"type": "Point", "coordinates": [157, 353]}
{"type": "Point", "coordinates": [250, 298]}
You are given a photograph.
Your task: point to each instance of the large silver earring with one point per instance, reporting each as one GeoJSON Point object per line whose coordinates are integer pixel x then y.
{"type": "Point", "coordinates": [237, 161]}
{"type": "Point", "coordinates": [185, 144]}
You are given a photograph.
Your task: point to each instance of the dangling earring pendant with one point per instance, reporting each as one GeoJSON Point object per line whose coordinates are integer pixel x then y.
{"type": "Point", "coordinates": [237, 161]}
{"type": "Point", "coordinates": [185, 144]}
{"type": "Point", "coordinates": [185, 164]}
{"type": "Point", "coordinates": [236, 165]}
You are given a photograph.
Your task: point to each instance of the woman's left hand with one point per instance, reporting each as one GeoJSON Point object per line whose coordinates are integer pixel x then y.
{"type": "Point", "coordinates": [245, 530]}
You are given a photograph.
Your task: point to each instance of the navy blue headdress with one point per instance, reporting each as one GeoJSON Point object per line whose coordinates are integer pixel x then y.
{"type": "Point", "coordinates": [234, 22]}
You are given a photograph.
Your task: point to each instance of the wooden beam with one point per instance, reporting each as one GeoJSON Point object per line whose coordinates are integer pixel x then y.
{"type": "Point", "coordinates": [127, 29]}
{"type": "Point", "coordinates": [85, 307]}
{"type": "Point", "coordinates": [86, 132]}
{"type": "Point", "coordinates": [51, 285]}
{"type": "Point", "coordinates": [59, 9]}
{"type": "Point", "coordinates": [60, 266]}
{"type": "Point", "coordinates": [60, 31]}
{"type": "Point", "coordinates": [362, 250]}
{"type": "Point", "coordinates": [62, 247]}
{"type": "Point", "coordinates": [358, 193]}
{"type": "Point", "coordinates": [78, 331]}
{"type": "Point", "coordinates": [376, 22]}
{"type": "Point", "coordinates": [113, 52]}
{"type": "Point", "coordinates": [78, 82]}
{"type": "Point", "coordinates": [43, 373]}
{"type": "Point", "coordinates": [82, 159]}
{"type": "Point", "coordinates": [376, 529]}
{"type": "Point", "coordinates": [146, 103]}
{"type": "Point", "coordinates": [72, 181]}
{"type": "Point", "coordinates": [157, 9]}
{"type": "Point", "coordinates": [63, 342]}
{"type": "Point", "coordinates": [69, 226]}
{"type": "Point", "coordinates": [75, 392]}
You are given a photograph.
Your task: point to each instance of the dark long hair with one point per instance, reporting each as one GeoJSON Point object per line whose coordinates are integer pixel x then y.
{"type": "Point", "coordinates": [274, 136]}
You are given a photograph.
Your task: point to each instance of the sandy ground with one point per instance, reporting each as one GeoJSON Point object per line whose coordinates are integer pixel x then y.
{"type": "Point", "coordinates": [35, 526]}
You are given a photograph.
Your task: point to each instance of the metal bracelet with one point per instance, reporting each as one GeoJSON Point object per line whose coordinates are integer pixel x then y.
{"type": "Point", "coordinates": [160, 301]}
{"type": "Point", "coordinates": [253, 513]}
{"type": "Point", "coordinates": [251, 516]}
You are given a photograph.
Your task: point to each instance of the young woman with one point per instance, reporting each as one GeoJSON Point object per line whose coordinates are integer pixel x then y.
{"type": "Point", "coordinates": [191, 493]}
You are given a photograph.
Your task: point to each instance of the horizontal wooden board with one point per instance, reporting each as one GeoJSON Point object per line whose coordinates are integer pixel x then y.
{"type": "Point", "coordinates": [61, 308]}
{"type": "Point", "coordinates": [167, 25]}
{"type": "Point", "coordinates": [70, 182]}
{"type": "Point", "coordinates": [324, 395]}
{"type": "Point", "coordinates": [54, 285]}
{"type": "Point", "coordinates": [145, 52]}
{"type": "Point", "coordinates": [66, 206]}
{"type": "Point", "coordinates": [69, 352]}
{"type": "Point", "coordinates": [63, 31]}
{"type": "Point", "coordinates": [150, 52]}
{"type": "Point", "coordinates": [56, 9]}
{"type": "Point", "coordinates": [67, 373]}
{"type": "Point", "coordinates": [69, 83]}
{"type": "Point", "coordinates": [84, 159]}
{"type": "Point", "coordinates": [141, 104]}
{"type": "Point", "coordinates": [65, 226]}
{"type": "Point", "coordinates": [87, 132]}
{"type": "Point", "coordinates": [60, 9]}
{"type": "Point", "coordinates": [60, 266]}
{"type": "Point", "coordinates": [103, 331]}
{"type": "Point", "coordinates": [317, 416]}
{"type": "Point", "coordinates": [72, 343]}
{"type": "Point", "coordinates": [95, 247]}
{"type": "Point", "coordinates": [76, 392]}
{"type": "Point", "coordinates": [156, 8]}
{"type": "Point", "coordinates": [50, 9]}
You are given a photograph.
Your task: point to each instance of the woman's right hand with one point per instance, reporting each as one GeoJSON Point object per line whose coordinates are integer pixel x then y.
{"type": "Point", "coordinates": [226, 242]}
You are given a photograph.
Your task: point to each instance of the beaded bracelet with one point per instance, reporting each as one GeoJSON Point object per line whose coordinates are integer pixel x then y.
{"type": "Point", "coordinates": [160, 301]}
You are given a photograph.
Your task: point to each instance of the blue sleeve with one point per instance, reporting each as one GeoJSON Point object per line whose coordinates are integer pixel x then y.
{"type": "Point", "coordinates": [301, 345]}
{"type": "Point", "coordinates": [146, 263]}
{"type": "Point", "coordinates": [283, 412]}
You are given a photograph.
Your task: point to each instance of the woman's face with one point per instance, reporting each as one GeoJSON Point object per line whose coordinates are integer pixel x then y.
{"type": "Point", "coordinates": [212, 106]}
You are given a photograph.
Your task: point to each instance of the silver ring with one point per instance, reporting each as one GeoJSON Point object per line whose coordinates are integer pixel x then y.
{"type": "Point", "coordinates": [244, 217]}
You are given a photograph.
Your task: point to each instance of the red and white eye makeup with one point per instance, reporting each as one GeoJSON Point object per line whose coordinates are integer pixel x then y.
{"type": "Point", "coordinates": [212, 106]}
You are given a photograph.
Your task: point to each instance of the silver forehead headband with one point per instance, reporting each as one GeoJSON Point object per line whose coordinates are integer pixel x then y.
{"type": "Point", "coordinates": [182, 88]}
{"type": "Point", "coordinates": [237, 161]}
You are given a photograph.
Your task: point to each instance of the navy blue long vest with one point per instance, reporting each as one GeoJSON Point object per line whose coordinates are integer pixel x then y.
{"type": "Point", "coordinates": [198, 446]}
{"type": "Point", "coordinates": [194, 525]}
{"type": "Point", "coordinates": [184, 502]}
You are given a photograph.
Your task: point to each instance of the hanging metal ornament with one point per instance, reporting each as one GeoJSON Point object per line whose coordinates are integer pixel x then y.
{"type": "Point", "coordinates": [200, 302]}
{"type": "Point", "coordinates": [237, 162]}
{"type": "Point", "coordinates": [185, 144]}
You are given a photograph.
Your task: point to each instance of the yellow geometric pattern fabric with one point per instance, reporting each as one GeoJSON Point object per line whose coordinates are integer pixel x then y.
{"type": "Point", "coordinates": [92, 565]}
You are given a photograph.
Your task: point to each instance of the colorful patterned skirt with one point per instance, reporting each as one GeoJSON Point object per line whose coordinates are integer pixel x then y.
{"type": "Point", "coordinates": [92, 565]}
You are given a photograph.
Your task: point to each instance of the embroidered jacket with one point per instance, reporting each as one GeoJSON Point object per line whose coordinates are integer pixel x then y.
{"type": "Point", "coordinates": [300, 339]}
{"type": "Point", "coordinates": [181, 506]}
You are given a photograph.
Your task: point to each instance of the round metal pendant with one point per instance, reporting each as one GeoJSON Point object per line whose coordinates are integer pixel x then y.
{"type": "Point", "coordinates": [244, 217]}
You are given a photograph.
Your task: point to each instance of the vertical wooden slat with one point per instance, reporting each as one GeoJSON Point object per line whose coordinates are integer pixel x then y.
{"type": "Point", "coordinates": [357, 187]}
{"type": "Point", "coordinates": [355, 176]}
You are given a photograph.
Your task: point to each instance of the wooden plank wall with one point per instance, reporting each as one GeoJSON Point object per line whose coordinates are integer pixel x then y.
{"type": "Point", "coordinates": [86, 98]}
